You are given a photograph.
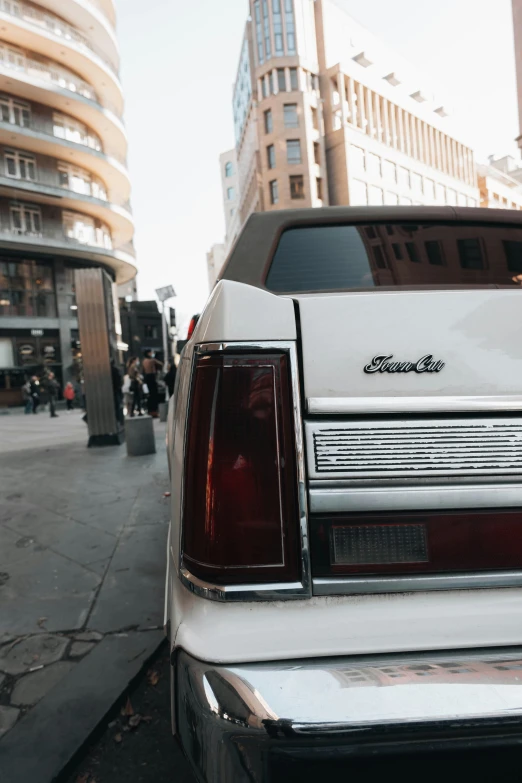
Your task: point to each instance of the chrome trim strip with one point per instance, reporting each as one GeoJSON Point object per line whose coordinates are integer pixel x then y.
{"type": "Point", "coordinates": [255, 592]}
{"type": "Point", "coordinates": [231, 717]}
{"type": "Point", "coordinates": [351, 585]}
{"type": "Point", "coordinates": [408, 498]}
{"type": "Point", "coordinates": [268, 591]}
{"type": "Point", "coordinates": [442, 404]}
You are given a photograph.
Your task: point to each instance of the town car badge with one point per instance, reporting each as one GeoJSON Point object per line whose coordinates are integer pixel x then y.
{"type": "Point", "coordinates": [385, 363]}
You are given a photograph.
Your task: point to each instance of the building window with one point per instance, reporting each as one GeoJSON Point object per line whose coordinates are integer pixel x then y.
{"type": "Point", "coordinates": [278, 27]}
{"type": "Point", "coordinates": [405, 201]}
{"type": "Point", "coordinates": [373, 163]}
{"type": "Point", "coordinates": [391, 198]}
{"type": "Point", "coordinates": [429, 189]}
{"type": "Point", "coordinates": [293, 151]}
{"type": "Point", "coordinates": [413, 253]}
{"type": "Point", "coordinates": [358, 193]}
{"type": "Point", "coordinates": [403, 178]}
{"type": "Point", "coordinates": [451, 197]}
{"type": "Point", "coordinates": [513, 251]}
{"type": "Point", "coordinates": [83, 229]}
{"type": "Point", "coordinates": [357, 159]}
{"type": "Point", "coordinates": [319, 187]}
{"type": "Point", "coordinates": [268, 121]}
{"type": "Point", "coordinates": [229, 169]}
{"type": "Point", "coordinates": [65, 127]}
{"type": "Point", "coordinates": [379, 256]}
{"type": "Point", "coordinates": [266, 27]}
{"type": "Point", "coordinates": [470, 254]}
{"type": "Point", "coordinates": [150, 331]}
{"type": "Point", "coordinates": [375, 195]}
{"type": "Point", "coordinates": [259, 33]}
{"type": "Point", "coordinates": [27, 288]}
{"type": "Point", "coordinates": [434, 253]}
{"type": "Point", "coordinates": [440, 193]}
{"type": "Point", "coordinates": [270, 156]}
{"type": "Point", "coordinates": [297, 187]}
{"type": "Point", "coordinates": [416, 184]}
{"type": "Point", "coordinates": [281, 80]}
{"type": "Point", "coordinates": [389, 171]}
{"type": "Point", "coordinates": [26, 219]}
{"type": "Point", "coordinates": [230, 194]}
{"type": "Point", "coordinates": [15, 112]}
{"type": "Point", "coordinates": [264, 88]}
{"type": "Point", "coordinates": [293, 79]}
{"type": "Point", "coordinates": [290, 26]}
{"type": "Point", "coordinates": [315, 119]}
{"type": "Point", "coordinates": [317, 153]}
{"type": "Point", "coordinates": [274, 191]}
{"type": "Point", "coordinates": [20, 166]}
{"type": "Point", "coordinates": [397, 251]}
{"type": "Point", "coordinates": [290, 115]}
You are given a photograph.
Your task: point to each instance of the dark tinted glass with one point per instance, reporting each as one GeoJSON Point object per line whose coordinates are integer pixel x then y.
{"type": "Point", "coordinates": [337, 258]}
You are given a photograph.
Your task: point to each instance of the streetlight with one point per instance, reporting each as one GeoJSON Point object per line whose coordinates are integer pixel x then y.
{"type": "Point", "coordinates": [164, 294]}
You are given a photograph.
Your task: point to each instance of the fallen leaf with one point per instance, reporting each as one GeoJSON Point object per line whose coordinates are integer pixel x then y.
{"type": "Point", "coordinates": [118, 738]}
{"type": "Point", "coordinates": [128, 708]}
{"type": "Point", "coordinates": [166, 494]}
{"type": "Point", "coordinates": [135, 721]}
{"type": "Point", "coordinates": [153, 677]}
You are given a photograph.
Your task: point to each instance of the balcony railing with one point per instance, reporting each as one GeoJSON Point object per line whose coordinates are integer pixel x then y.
{"type": "Point", "coordinates": [54, 25]}
{"type": "Point", "coordinates": [56, 235]}
{"type": "Point", "coordinates": [48, 71]}
{"type": "Point", "coordinates": [89, 140]}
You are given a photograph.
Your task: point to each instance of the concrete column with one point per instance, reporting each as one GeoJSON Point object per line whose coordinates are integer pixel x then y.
{"type": "Point", "coordinates": [433, 155]}
{"type": "Point", "coordinates": [413, 136]}
{"type": "Point", "coordinates": [369, 113]}
{"type": "Point", "coordinates": [64, 318]}
{"type": "Point", "coordinates": [361, 113]}
{"type": "Point", "coordinates": [417, 124]}
{"type": "Point", "coordinates": [397, 116]}
{"type": "Point", "coordinates": [378, 118]}
{"type": "Point", "coordinates": [386, 123]}
{"type": "Point", "coordinates": [341, 90]}
{"type": "Point", "coordinates": [427, 147]}
{"type": "Point", "coordinates": [349, 91]}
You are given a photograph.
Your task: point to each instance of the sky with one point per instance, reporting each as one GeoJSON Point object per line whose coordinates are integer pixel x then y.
{"type": "Point", "coordinates": [179, 60]}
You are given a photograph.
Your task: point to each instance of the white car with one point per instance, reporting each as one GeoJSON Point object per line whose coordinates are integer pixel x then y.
{"type": "Point", "coordinates": [345, 443]}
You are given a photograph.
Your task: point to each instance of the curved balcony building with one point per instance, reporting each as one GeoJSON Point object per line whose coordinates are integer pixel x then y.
{"type": "Point", "coordinates": [64, 185]}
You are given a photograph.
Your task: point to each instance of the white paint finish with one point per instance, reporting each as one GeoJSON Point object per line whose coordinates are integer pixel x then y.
{"type": "Point", "coordinates": [474, 332]}
{"type": "Point", "coordinates": [239, 312]}
{"type": "Point", "coordinates": [354, 405]}
{"type": "Point", "coordinates": [344, 625]}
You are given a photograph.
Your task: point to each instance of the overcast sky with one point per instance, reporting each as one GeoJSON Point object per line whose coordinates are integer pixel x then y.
{"type": "Point", "coordinates": [179, 61]}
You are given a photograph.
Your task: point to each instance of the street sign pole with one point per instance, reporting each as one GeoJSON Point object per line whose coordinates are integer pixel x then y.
{"type": "Point", "coordinates": [163, 295]}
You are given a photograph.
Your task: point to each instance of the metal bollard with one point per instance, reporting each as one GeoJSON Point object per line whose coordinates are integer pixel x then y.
{"type": "Point", "coordinates": [139, 436]}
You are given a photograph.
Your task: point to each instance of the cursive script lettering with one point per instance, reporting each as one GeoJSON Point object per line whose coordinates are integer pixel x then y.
{"type": "Point", "coordinates": [384, 363]}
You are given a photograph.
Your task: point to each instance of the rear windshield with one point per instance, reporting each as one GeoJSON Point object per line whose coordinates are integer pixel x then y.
{"type": "Point", "coordinates": [340, 258]}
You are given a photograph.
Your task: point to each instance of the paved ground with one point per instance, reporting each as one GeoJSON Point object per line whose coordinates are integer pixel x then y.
{"type": "Point", "coordinates": [135, 743]}
{"type": "Point", "coordinates": [82, 553]}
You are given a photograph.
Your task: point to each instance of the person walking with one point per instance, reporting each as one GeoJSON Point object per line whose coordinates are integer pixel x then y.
{"type": "Point", "coordinates": [170, 378]}
{"type": "Point", "coordinates": [69, 395]}
{"type": "Point", "coordinates": [52, 388]}
{"type": "Point", "coordinates": [35, 392]}
{"type": "Point", "coordinates": [133, 396]}
{"type": "Point", "coordinates": [150, 368]}
{"type": "Point", "coordinates": [26, 397]}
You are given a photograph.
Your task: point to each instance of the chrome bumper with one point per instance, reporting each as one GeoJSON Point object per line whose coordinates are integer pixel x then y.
{"type": "Point", "coordinates": [244, 722]}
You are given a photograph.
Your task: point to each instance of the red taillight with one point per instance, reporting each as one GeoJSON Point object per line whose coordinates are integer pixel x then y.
{"type": "Point", "coordinates": [192, 326]}
{"type": "Point", "coordinates": [406, 543]}
{"type": "Point", "coordinates": [240, 514]}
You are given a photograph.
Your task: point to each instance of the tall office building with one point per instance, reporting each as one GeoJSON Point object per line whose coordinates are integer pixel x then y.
{"type": "Point", "coordinates": [325, 113]}
{"type": "Point", "coordinates": [64, 185]}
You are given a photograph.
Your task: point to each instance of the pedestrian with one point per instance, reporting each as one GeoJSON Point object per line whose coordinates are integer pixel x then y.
{"type": "Point", "coordinates": [151, 365]}
{"type": "Point", "coordinates": [117, 383]}
{"type": "Point", "coordinates": [27, 397]}
{"type": "Point", "coordinates": [35, 392]}
{"type": "Point", "coordinates": [69, 395]}
{"type": "Point", "coordinates": [52, 387]}
{"type": "Point", "coordinates": [132, 387]}
{"type": "Point", "coordinates": [170, 378]}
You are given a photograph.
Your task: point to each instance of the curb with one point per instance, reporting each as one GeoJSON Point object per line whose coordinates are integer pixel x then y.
{"type": "Point", "coordinates": [51, 734]}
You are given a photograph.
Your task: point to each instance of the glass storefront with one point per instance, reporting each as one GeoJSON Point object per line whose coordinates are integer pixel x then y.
{"type": "Point", "coordinates": [28, 355]}
{"type": "Point", "coordinates": [27, 288]}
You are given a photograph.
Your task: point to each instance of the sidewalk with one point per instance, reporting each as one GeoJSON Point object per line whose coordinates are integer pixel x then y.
{"type": "Point", "coordinates": [82, 554]}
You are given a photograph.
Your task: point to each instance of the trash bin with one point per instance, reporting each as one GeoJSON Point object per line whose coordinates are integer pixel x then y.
{"type": "Point", "coordinates": [139, 436]}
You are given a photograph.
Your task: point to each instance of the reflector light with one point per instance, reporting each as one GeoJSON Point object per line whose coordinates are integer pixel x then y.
{"type": "Point", "coordinates": [373, 544]}
{"type": "Point", "coordinates": [240, 519]}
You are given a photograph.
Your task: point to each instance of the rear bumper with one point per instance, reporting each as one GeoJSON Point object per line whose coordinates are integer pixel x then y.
{"type": "Point", "coordinates": [245, 722]}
